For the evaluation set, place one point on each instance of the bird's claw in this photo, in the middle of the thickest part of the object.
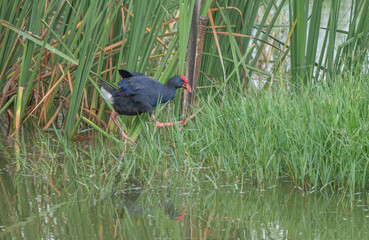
(184, 121)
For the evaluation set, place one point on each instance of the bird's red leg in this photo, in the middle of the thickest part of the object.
(182, 123)
(125, 137)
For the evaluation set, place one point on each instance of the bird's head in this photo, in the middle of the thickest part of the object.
(180, 82)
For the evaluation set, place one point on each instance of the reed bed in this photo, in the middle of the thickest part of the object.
(52, 54)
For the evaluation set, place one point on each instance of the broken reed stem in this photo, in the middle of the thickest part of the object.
(200, 44)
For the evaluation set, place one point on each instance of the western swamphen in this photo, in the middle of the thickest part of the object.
(139, 93)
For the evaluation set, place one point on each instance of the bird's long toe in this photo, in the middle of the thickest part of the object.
(182, 122)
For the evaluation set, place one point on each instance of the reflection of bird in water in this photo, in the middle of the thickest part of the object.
(135, 206)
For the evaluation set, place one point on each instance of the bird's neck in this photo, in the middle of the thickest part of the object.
(167, 93)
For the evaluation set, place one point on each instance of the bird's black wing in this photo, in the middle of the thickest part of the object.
(140, 85)
(129, 86)
(133, 82)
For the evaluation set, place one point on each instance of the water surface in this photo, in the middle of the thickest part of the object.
(60, 206)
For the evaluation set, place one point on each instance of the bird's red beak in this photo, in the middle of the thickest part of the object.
(186, 86)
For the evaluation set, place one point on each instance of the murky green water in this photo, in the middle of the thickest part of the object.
(56, 207)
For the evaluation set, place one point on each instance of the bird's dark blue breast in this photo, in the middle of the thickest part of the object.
(162, 98)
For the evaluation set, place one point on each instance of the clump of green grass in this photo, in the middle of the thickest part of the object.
(316, 136)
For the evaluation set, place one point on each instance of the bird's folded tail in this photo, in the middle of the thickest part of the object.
(125, 74)
(106, 92)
